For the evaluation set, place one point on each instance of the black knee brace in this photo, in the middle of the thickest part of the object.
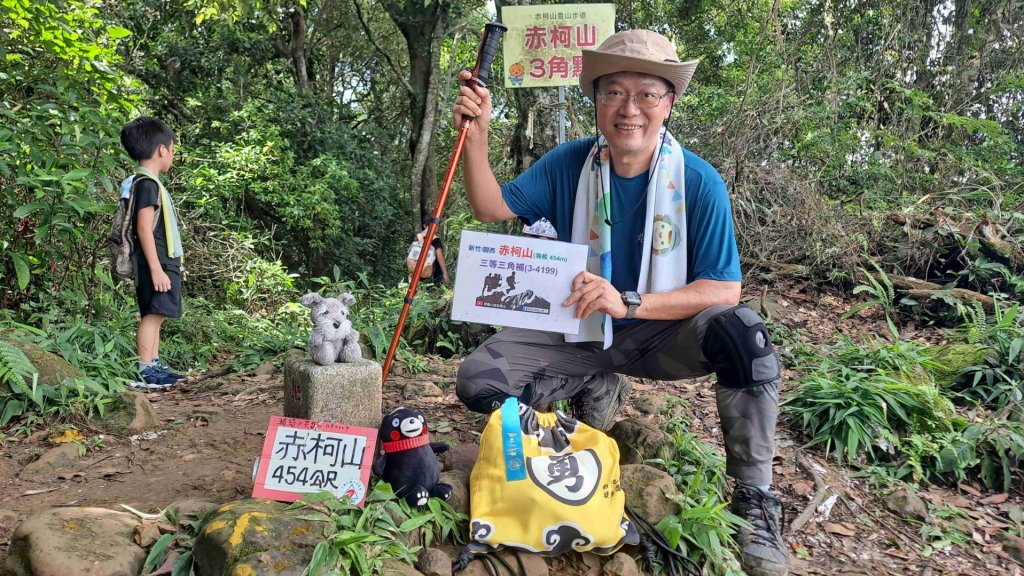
(736, 344)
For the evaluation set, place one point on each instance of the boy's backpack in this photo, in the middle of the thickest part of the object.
(415, 248)
(121, 241)
(548, 484)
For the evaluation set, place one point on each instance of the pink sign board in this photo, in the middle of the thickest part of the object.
(302, 456)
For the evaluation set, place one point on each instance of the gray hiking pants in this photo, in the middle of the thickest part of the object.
(540, 367)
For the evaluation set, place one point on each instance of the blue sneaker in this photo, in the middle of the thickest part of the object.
(167, 370)
(154, 378)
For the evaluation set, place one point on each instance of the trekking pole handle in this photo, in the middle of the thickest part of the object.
(488, 50)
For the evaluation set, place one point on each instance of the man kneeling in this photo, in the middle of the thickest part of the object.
(662, 285)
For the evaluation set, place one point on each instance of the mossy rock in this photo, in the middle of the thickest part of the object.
(52, 368)
(647, 491)
(128, 412)
(257, 537)
(954, 358)
(640, 441)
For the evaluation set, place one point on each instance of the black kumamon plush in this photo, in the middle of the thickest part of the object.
(408, 462)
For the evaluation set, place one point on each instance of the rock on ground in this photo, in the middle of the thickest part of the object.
(192, 509)
(8, 519)
(434, 562)
(42, 470)
(1013, 545)
(418, 389)
(75, 542)
(534, 565)
(52, 368)
(621, 565)
(256, 537)
(459, 481)
(907, 504)
(639, 441)
(145, 417)
(646, 488)
(399, 568)
(265, 369)
(462, 457)
(650, 404)
(129, 412)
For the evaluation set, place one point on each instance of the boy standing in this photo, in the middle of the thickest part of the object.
(157, 248)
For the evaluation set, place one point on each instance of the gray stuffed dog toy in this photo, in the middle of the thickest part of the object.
(333, 339)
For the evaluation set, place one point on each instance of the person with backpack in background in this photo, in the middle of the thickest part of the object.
(156, 244)
(435, 273)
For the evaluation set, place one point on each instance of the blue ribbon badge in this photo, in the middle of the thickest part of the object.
(512, 441)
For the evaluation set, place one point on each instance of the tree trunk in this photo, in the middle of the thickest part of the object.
(422, 24)
(424, 178)
(536, 130)
(293, 47)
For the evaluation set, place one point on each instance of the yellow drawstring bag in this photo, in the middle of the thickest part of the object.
(546, 483)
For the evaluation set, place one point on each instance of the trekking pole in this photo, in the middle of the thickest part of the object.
(481, 75)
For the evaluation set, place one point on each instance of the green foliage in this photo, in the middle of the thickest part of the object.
(15, 367)
(327, 196)
(998, 382)
(103, 348)
(16, 374)
(940, 534)
(867, 405)
(263, 287)
(208, 331)
(999, 445)
(951, 248)
(792, 345)
(882, 294)
(908, 360)
(940, 458)
(62, 105)
(359, 540)
(988, 451)
(23, 397)
(182, 541)
(704, 527)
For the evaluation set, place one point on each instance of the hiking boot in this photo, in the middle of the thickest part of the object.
(598, 405)
(762, 550)
(154, 378)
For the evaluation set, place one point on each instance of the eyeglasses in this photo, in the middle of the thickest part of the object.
(643, 99)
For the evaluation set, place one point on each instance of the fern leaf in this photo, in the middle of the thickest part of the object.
(15, 367)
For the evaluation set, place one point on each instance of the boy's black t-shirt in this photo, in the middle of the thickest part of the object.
(437, 244)
(147, 193)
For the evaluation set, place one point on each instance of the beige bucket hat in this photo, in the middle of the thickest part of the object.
(641, 51)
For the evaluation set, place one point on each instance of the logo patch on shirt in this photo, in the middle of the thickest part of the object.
(666, 235)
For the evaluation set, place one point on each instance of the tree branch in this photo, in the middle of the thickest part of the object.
(366, 28)
(819, 494)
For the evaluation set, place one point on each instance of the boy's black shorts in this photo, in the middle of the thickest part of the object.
(153, 302)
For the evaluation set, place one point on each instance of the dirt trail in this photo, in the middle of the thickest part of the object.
(213, 430)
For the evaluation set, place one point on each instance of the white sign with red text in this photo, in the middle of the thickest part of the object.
(300, 457)
(517, 281)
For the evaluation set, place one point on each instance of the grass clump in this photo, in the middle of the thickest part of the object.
(849, 411)
(360, 540)
(704, 527)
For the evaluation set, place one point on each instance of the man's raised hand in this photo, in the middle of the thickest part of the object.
(473, 102)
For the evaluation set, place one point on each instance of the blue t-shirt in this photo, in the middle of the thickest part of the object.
(548, 190)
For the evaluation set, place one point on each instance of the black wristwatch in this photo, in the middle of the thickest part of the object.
(632, 302)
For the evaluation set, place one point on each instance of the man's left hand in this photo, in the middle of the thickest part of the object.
(592, 293)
